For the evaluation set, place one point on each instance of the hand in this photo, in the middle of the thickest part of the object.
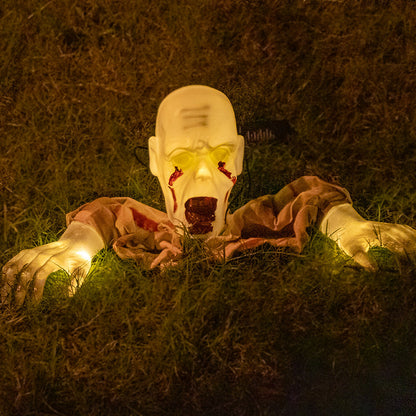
(27, 272)
(355, 235)
(358, 237)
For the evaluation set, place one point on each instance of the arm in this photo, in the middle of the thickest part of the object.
(355, 235)
(30, 268)
(91, 227)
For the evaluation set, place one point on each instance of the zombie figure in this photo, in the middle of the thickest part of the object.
(197, 155)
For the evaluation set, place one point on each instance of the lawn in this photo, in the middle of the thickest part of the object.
(269, 332)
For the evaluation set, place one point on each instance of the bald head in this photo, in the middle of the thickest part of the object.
(196, 155)
(195, 112)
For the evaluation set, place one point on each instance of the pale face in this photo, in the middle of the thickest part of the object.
(196, 156)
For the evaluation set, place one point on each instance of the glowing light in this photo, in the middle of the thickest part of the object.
(84, 255)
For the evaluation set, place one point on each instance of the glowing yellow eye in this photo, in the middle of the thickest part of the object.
(220, 153)
(182, 159)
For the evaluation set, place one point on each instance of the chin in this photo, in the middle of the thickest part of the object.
(215, 231)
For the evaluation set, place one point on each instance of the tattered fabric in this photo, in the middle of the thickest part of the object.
(146, 235)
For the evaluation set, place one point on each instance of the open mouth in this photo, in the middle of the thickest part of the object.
(200, 214)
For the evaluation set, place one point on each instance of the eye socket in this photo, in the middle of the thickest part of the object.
(182, 159)
(221, 153)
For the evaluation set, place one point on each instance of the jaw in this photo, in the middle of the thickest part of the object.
(199, 212)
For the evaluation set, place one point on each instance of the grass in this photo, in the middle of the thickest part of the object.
(269, 332)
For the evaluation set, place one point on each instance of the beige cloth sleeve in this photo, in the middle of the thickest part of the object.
(133, 229)
(282, 219)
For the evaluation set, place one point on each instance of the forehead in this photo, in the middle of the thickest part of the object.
(192, 118)
(197, 127)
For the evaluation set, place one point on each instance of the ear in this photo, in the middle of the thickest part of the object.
(153, 155)
(239, 155)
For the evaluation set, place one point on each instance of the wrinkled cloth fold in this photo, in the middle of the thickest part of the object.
(140, 232)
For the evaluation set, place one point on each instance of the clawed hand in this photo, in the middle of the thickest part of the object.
(26, 273)
(357, 238)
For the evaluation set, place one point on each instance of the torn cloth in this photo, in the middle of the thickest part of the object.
(140, 232)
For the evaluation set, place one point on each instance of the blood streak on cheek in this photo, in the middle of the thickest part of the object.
(175, 203)
(175, 175)
(227, 173)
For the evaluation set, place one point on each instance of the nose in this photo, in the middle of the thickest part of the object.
(203, 172)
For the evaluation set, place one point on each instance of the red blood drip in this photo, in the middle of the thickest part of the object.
(175, 204)
(226, 172)
(143, 222)
(175, 175)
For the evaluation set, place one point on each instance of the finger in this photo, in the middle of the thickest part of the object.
(41, 277)
(156, 262)
(15, 260)
(22, 258)
(399, 239)
(38, 286)
(353, 245)
(10, 275)
(165, 256)
(11, 271)
(409, 241)
(21, 288)
(27, 276)
(400, 230)
(39, 268)
(29, 255)
(12, 282)
(364, 260)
